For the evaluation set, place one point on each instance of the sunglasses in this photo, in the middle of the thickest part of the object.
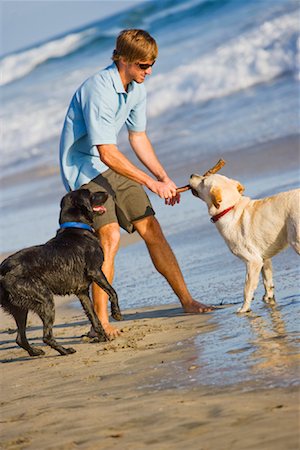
(145, 66)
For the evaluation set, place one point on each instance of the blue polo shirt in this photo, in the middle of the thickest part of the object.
(97, 112)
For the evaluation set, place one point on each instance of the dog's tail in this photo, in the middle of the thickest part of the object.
(3, 293)
(2, 290)
(5, 267)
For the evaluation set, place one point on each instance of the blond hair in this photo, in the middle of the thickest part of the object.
(135, 45)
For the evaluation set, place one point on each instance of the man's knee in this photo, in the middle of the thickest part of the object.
(149, 229)
(109, 236)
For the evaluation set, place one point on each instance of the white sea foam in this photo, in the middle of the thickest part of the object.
(255, 57)
(20, 64)
(29, 131)
(34, 117)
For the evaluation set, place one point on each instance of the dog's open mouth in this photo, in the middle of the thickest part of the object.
(99, 209)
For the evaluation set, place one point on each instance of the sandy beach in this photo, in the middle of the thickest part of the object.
(143, 390)
(225, 85)
(170, 381)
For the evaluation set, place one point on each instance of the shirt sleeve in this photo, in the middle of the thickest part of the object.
(136, 120)
(99, 116)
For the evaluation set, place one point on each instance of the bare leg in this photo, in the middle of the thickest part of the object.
(166, 264)
(268, 282)
(252, 277)
(109, 236)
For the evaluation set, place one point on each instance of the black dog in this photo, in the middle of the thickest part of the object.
(67, 264)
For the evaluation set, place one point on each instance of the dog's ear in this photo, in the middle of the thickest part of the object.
(64, 201)
(216, 196)
(240, 188)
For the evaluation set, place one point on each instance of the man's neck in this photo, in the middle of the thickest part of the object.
(124, 78)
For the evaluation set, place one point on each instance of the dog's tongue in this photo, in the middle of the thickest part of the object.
(99, 209)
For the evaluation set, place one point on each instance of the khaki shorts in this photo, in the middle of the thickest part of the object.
(127, 201)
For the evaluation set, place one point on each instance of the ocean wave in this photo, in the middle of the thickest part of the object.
(33, 111)
(171, 9)
(31, 126)
(258, 56)
(18, 65)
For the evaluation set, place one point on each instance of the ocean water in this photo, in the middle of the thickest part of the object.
(226, 84)
(227, 79)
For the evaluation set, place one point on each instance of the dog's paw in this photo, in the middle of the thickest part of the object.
(66, 351)
(95, 336)
(117, 316)
(36, 352)
(116, 313)
(98, 338)
(269, 300)
(242, 310)
(70, 350)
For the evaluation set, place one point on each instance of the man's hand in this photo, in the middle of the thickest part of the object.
(173, 200)
(165, 189)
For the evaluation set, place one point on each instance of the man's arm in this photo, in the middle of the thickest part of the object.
(143, 149)
(113, 158)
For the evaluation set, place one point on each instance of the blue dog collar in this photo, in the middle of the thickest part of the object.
(84, 226)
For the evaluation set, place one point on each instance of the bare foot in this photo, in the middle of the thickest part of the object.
(111, 332)
(197, 308)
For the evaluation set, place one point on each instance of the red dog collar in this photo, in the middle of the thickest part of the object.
(215, 219)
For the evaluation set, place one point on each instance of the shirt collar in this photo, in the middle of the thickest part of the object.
(116, 79)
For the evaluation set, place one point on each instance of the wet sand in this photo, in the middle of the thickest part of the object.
(143, 390)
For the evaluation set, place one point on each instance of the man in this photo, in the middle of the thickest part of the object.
(90, 158)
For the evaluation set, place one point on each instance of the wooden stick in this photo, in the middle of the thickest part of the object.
(183, 189)
(221, 163)
(216, 168)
